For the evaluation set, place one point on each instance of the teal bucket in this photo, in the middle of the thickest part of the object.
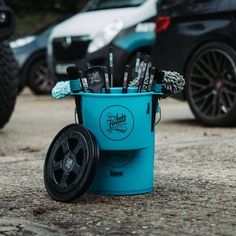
(123, 125)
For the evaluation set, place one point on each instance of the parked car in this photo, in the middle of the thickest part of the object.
(30, 53)
(197, 39)
(128, 26)
(8, 65)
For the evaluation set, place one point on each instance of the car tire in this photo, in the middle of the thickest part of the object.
(38, 77)
(8, 82)
(211, 84)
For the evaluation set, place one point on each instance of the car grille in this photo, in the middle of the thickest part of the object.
(70, 48)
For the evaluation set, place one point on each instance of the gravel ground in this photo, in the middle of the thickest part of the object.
(195, 180)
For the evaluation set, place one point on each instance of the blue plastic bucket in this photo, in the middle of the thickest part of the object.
(122, 125)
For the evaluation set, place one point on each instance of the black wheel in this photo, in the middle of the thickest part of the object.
(38, 78)
(70, 164)
(8, 83)
(211, 84)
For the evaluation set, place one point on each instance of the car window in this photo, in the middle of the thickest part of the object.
(110, 4)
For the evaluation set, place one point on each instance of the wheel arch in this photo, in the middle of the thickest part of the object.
(30, 61)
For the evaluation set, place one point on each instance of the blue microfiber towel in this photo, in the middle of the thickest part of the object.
(61, 89)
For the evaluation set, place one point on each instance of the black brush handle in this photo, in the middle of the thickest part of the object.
(137, 65)
(111, 65)
(73, 72)
(143, 73)
(88, 65)
(83, 81)
(125, 80)
(159, 76)
(150, 82)
(107, 86)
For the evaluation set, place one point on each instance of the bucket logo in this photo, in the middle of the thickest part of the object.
(116, 122)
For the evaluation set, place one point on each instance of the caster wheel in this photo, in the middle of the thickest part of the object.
(71, 163)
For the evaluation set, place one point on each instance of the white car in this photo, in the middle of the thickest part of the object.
(127, 25)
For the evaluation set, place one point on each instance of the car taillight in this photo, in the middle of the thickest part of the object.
(162, 23)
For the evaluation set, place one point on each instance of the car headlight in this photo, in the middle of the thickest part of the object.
(106, 35)
(145, 27)
(22, 42)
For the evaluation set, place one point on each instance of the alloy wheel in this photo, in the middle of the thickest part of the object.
(212, 83)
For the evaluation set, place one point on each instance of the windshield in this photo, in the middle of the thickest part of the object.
(110, 4)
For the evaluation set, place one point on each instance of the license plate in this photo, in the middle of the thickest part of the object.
(61, 68)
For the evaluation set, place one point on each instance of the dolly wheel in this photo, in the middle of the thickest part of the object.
(70, 163)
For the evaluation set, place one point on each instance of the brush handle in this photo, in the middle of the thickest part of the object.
(137, 65)
(125, 80)
(73, 72)
(150, 82)
(88, 65)
(83, 81)
(111, 66)
(107, 86)
(143, 73)
(85, 84)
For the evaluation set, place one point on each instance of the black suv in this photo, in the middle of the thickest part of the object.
(198, 39)
(8, 66)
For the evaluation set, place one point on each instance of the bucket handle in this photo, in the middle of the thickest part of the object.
(159, 119)
(78, 109)
(154, 110)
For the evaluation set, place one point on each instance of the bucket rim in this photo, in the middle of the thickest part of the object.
(117, 92)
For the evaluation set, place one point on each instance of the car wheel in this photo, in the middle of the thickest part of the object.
(8, 83)
(211, 84)
(38, 77)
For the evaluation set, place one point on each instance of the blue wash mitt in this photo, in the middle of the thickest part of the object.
(61, 89)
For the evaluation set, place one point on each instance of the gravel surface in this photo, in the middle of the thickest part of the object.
(195, 180)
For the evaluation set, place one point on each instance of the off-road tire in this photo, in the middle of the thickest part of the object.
(8, 82)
